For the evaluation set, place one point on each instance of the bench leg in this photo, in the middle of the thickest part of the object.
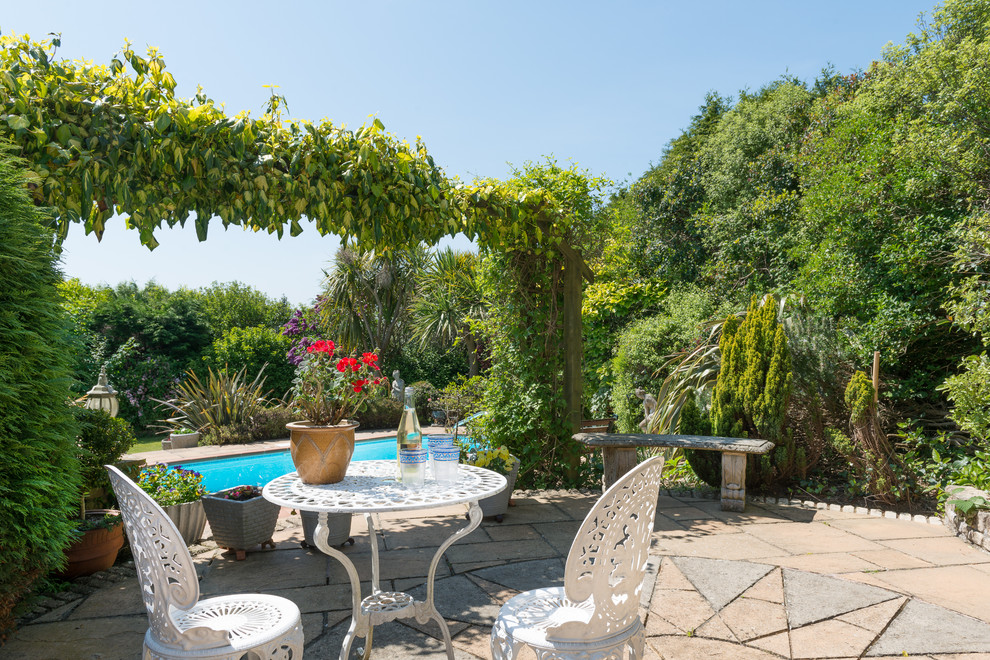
(616, 461)
(733, 481)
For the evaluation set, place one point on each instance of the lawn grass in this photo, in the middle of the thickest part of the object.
(146, 443)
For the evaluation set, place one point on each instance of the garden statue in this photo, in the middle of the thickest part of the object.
(649, 406)
(398, 386)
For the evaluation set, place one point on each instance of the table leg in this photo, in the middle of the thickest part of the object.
(426, 610)
(358, 625)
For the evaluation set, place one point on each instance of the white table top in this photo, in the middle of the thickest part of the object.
(371, 487)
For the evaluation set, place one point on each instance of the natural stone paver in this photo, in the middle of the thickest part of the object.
(891, 559)
(769, 588)
(921, 628)
(829, 639)
(798, 539)
(941, 551)
(806, 603)
(830, 563)
(700, 648)
(779, 644)
(875, 617)
(720, 581)
(960, 588)
(821, 568)
(749, 618)
(885, 529)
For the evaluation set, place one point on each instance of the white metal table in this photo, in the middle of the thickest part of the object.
(370, 487)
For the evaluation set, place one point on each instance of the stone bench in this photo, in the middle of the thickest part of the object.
(619, 454)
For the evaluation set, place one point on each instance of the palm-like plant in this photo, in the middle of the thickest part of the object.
(225, 399)
(367, 295)
(449, 298)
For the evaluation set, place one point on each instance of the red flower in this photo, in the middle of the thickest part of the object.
(369, 359)
(342, 365)
(321, 346)
(359, 384)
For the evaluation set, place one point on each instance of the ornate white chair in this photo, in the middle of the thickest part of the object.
(251, 626)
(596, 613)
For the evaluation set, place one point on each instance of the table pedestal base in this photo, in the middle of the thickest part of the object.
(382, 606)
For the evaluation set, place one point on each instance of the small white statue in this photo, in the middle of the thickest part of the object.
(398, 387)
(649, 407)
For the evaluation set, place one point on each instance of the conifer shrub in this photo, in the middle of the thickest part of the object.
(751, 396)
(39, 473)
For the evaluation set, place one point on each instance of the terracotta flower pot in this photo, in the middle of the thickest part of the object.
(96, 550)
(321, 454)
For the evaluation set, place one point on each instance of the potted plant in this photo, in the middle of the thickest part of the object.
(240, 518)
(102, 440)
(501, 461)
(184, 438)
(178, 492)
(328, 388)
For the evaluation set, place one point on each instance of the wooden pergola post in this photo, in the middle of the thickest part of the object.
(574, 270)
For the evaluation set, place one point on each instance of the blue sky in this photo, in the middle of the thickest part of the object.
(485, 84)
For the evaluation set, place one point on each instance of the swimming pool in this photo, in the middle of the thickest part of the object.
(259, 469)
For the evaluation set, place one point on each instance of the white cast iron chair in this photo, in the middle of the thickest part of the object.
(596, 613)
(251, 626)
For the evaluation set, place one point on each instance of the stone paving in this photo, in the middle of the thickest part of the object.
(772, 582)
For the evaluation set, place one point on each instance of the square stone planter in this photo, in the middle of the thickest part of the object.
(190, 518)
(239, 525)
(498, 504)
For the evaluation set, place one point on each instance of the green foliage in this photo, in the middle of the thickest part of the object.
(606, 308)
(425, 393)
(235, 305)
(225, 399)
(429, 363)
(644, 348)
(859, 396)
(459, 399)
(39, 473)
(102, 441)
(171, 485)
(367, 295)
(753, 389)
(969, 392)
(251, 349)
(524, 388)
(264, 424)
(381, 413)
(448, 298)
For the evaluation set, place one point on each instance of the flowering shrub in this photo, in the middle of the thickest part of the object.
(241, 493)
(498, 460)
(328, 388)
(171, 485)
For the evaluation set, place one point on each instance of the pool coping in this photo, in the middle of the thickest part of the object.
(169, 456)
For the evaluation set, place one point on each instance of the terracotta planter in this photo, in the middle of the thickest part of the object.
(190, 518)
(240, 524)
(498, 504)
(96, 550)
(321, 454)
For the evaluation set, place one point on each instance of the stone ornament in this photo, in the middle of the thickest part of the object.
(182, 625)
(595, 615)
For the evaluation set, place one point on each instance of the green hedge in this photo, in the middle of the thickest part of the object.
(39, 473)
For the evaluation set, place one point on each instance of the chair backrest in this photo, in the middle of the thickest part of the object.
(164, 567)
(608, 557)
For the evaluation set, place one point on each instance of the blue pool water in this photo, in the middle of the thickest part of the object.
(259, 469)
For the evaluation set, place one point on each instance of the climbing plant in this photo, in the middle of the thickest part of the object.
(107, 139)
